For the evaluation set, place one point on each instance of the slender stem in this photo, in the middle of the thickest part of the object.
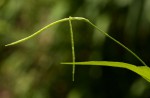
(135, 55)
(44, 28)
(81, 19)
(73, 50)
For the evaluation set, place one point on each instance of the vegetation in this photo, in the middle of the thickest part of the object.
(35, 68)
(144, 71)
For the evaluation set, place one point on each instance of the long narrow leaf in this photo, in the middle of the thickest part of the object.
(143, 71)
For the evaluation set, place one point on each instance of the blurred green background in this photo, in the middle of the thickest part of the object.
(32, 69)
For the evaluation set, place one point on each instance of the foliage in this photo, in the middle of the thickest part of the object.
(32, 69)
(144, 71)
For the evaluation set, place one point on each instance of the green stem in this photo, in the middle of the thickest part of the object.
(44, 28)
(72, 46)
(135, 55)
(72, 40)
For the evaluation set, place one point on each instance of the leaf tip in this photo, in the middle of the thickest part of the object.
(7, 45)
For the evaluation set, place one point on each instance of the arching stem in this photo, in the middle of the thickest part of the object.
(72, 39)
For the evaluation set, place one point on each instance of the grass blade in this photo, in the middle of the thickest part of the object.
(143, 71)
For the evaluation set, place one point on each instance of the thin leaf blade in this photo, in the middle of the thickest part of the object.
(143, 71)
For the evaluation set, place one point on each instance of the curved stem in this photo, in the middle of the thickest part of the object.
(44, 28)
(135, 55)
(81, 19)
